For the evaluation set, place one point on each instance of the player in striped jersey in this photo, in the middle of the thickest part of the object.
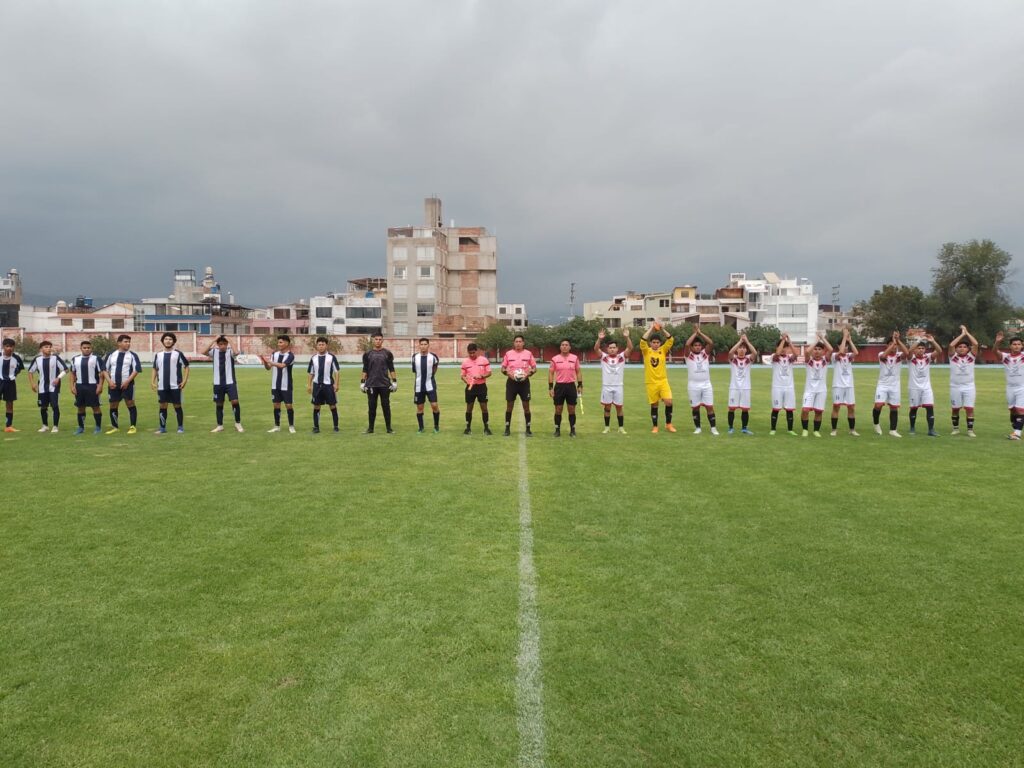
(86, 371)
(655, 354)
(842, 383)
(424, 371)
(816, 385)
(613, 368)
(10, 366)
(324, 380)
(962, 357)
(224, 385)
(698, 378)
(50, 369)
(121, 369)
(170, 375)
(742, 358)
(783, 388)
(281, 389)
(920, 386)
(1013, 365)
(887, 392)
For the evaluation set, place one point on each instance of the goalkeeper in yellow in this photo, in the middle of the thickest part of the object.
(655, 352)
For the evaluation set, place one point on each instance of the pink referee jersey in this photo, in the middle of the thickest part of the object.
(513, 360)
(475, 369)
(566, 368)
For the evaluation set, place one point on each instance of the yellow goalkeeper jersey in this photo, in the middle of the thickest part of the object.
(654, 361)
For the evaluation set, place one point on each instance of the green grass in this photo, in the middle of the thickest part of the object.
(308, 600)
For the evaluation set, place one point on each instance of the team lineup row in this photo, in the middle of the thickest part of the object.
(89, 374)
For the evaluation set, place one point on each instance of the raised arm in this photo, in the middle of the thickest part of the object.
(899, 343)
(629, 342)
(828, 347)
(849, 341)
(995, 345)
(597, 343)
(936, 348)
(734, 347)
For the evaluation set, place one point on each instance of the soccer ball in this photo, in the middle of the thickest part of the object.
(518, 374)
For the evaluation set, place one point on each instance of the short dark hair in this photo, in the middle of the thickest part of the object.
(124, 337)
(10, 343)
(321, 338)
(222, 338)
(1015, 338)
(284, 337)
(471, 347)
(698, 340)
(87, 341)
(565, 341)
(424, 339)
(170, 336)
(656, 337)
(45, 343)
(821, 345)
(519, 336)
(375, 334)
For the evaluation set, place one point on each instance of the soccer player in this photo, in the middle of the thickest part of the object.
(424, 370)
(783, 387)
(655, 353)
(1013, 365)
(280, 364)
(613, 369)
(476, 369)
(323, 382)
(518, 365)
(10, 366)
(742, 357)
(565, 384)
(887, 392)
(121, 368)
(86, 385)
(50, 369)
(816, 385)
(224, 385)
(170, 375)
(920, 385)
(962, 357)
(698, 378)
(379, 380)
(842, 383)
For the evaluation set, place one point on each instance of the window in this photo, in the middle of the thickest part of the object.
(363, 330)
(399, 254)
(519, 310)
(117, 325)
(321, 330)
(281, 314)
(88, 325)
(425, 291)
(324, 312)
(65, 321)
(400, 308)
(400, 291)
(663, 302)
(502, 310)
(424, 329)
(400, 271)
(424, 253)
(339, 321)
(401, 329)
(424, 310)
(427, 271)
(362, 312)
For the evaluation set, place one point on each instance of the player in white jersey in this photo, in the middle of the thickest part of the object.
(1013, 365)
(280, 365)
(962, 357)
(86, 372)
(816, 385)
(887, 392)
(783, 388)
(122, 368)
(613, 370)
(842, 382)
(742, 358)
(920, 386)
(170, 377)
(424, 366)
(698, 378)
(224, 385)
(49, 369)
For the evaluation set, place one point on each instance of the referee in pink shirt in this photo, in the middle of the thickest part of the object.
(476, 369)
(565, 384)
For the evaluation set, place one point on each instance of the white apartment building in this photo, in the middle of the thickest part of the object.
(513, 316)
(112, 318)
(790, 304)
(359, 311)
(630, 309)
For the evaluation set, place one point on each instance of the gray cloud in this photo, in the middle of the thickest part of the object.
(618, 145)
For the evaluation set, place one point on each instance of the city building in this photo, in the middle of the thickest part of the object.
(513, 316)
(790, 304)
(358, 311)
(78, 317)
(288, 319)
(442, 280)
(10, 299)
(630, 309)
(194, 306)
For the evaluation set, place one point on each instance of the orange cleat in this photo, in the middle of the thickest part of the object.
(654, 430)
(670, 428)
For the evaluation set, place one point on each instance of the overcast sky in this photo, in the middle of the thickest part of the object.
(617, 145)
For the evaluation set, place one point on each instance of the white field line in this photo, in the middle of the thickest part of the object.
(529, 676)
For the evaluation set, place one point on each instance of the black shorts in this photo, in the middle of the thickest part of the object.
(116, 394)
(171, 396)
(87, 397)
(281, 396)
(477, 392)
(49, 399)
(514, 389)
(421, 397)
(222, 391)
(565, 393)
(324, 394)
(8, 390)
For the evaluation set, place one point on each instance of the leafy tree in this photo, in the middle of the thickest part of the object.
(538, 336)
(891, 308)
(103, 345)
(27, 348)
(724, 336)
(494, 338)
(765, 338)
(834, 337)
(969, 288)
(581, 333)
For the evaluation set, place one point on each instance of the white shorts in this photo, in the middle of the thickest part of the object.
(814, 400)
(739, 398)
(890, 395)
(842, 396)
(783, 398)
(919, 397)
(1015, 398)
(611, 395)
(701, 394)
(962, 397)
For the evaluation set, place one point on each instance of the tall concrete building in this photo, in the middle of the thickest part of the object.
(10, 299)
(441, 280)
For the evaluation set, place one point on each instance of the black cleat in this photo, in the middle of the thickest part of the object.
(316, 430)
(572, 433)
(487, 431)
(558, 431)
(391, 431)
(367, 431)
(467, 431)
(507, 432)
(528, 432)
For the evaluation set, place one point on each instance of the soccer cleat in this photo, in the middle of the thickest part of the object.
(291, 430)
(113, 431)
(97, 430)
(218, 428)
(794, 434)
(932, 433)
(507, 432)
(390, 431)
(771, 432)
(894, 433)
(437, 431)
(606, 430)
(970, 432)
(912, 431)
(670, 428)
(572, 432)
(79, 431)
(622, 431)
(487, 430)
(316, 431)
(558, 432)
(131, 430)
(11, 429)
(467, 431)
(698, 431)
(1013, 436)
(419, 431)
(817, 433)
(854, 433)
(955, 431)
(57, 430)
(238, 427)
(161, 431)
(367, 431)
(338, 430)
(181, 430)
(714, 431)
(43, 428)
(833, 433)
(273, 429)
(731, 431)
(529, 433)
(745, 431)
(878, 429)
(654, 430)
(804, 433)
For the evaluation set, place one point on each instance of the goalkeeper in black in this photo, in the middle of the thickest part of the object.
(378, 381)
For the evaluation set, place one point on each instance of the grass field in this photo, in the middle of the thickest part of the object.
(348, 600)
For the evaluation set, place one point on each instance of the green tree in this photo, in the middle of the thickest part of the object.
(724, 336)
(891, 308)
(765, 338)
(969, 288)
(27, 348)
(537, 337)
(834, 337)
(581, 333)
(495, 338)
(103, 345)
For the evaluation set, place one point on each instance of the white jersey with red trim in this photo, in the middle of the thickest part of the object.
(1013, 365)
(698, 368)
(817, 375)
(739, 376)
(921, 371)
(782, 371)
(842, 370)
(889, 369)
(961, 370)
(612, 369)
